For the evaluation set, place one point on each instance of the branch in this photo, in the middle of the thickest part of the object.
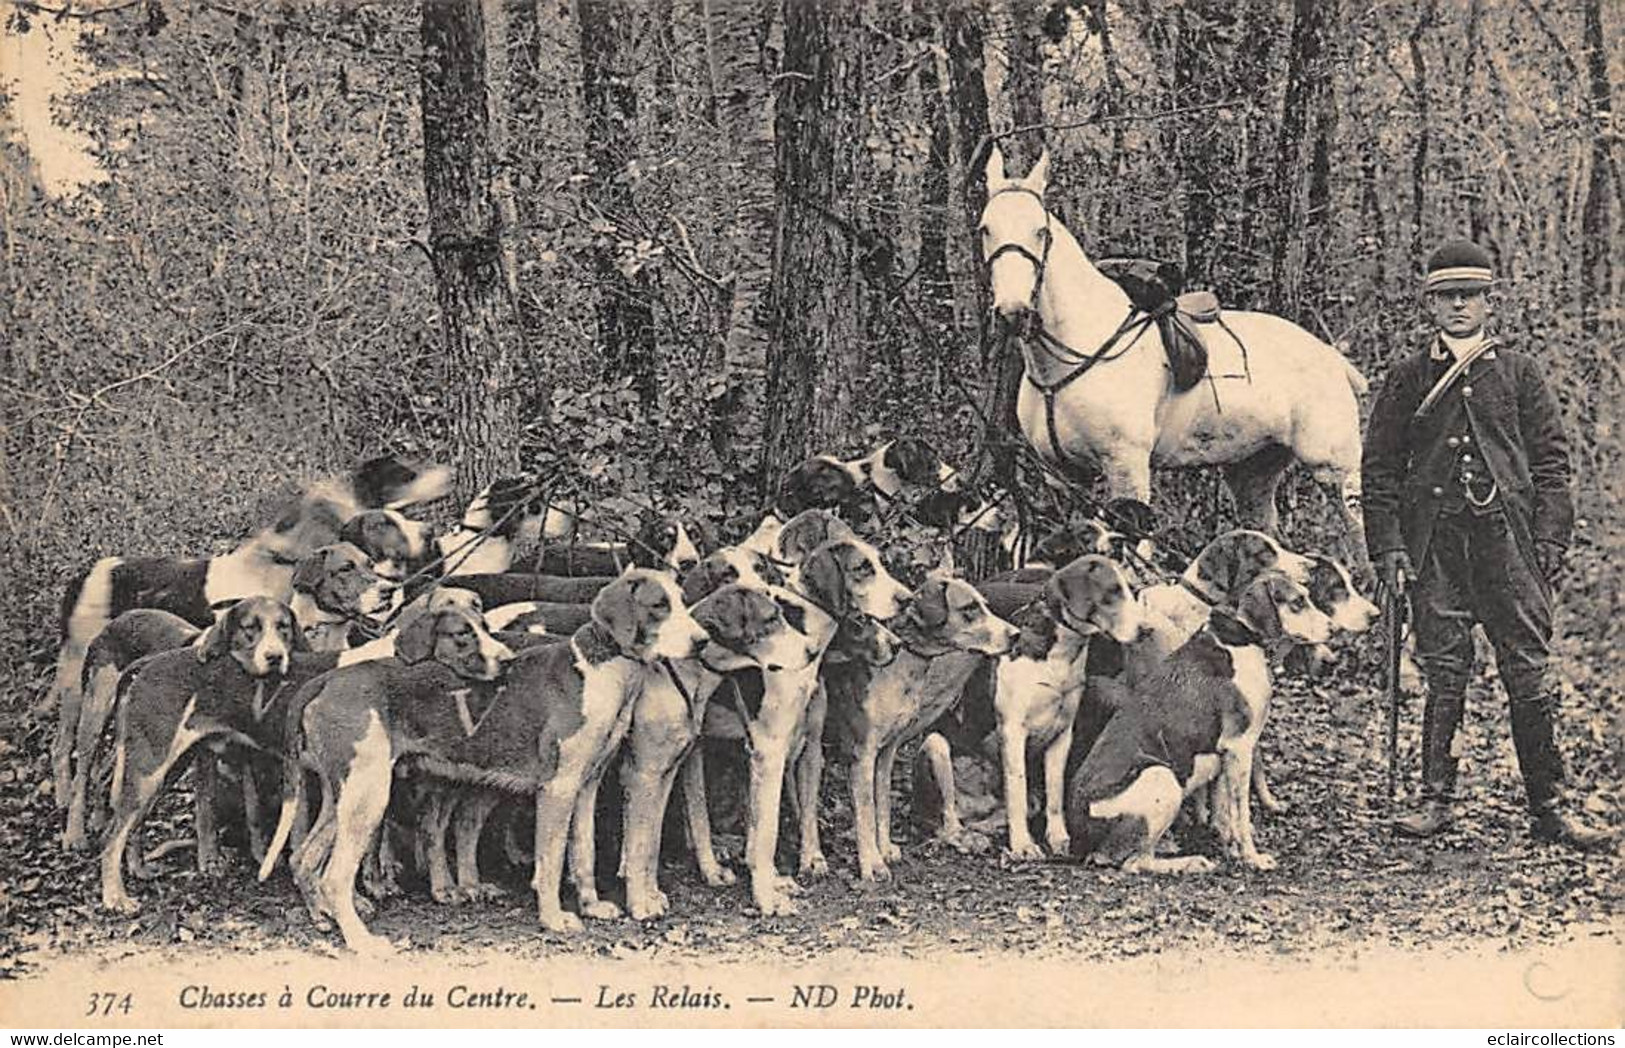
(70, 12)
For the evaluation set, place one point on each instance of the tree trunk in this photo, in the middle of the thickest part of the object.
(609, 95)
(465, 240)
(1307, 72)
(814, 359)
(936, 214)
(1419, 157)
(736, 38)
(1597, 221)
(967, 91)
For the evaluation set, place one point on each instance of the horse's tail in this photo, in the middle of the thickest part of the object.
(1357, 382)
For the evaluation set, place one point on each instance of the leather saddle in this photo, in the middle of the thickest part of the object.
(1158, 289)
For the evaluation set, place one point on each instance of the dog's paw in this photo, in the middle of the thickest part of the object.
(648, 906)
(877, 872)
(481, 892)
(815, 865)
(120, 903)
(1025, 851)
(774, 904)
(446, 896)
(365, 907)
(891, 852)
(787, 885)
(719, 877)
(366, 944)
(1060, 846)
(601, 910)
(561, 922)
(1260, 861)
(1195, 864)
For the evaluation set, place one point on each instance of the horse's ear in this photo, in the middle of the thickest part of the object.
(1038, 178)
(995, 171)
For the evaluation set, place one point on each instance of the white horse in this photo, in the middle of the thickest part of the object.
(1097, 388)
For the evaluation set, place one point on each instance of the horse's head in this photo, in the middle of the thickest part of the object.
(1015, 231)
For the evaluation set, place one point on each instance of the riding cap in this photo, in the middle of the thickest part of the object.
(1459, 265)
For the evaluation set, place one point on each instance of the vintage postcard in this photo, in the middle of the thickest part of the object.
(811, 513)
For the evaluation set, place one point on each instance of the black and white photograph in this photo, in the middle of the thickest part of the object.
(812, 513)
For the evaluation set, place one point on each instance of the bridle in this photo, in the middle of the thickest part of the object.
(1040, 263)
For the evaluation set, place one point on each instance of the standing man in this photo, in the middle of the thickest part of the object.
(1467, 507)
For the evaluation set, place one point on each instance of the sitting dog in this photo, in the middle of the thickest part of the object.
(1039, 687)
(1194, 719)
(1220, 572)
(194, 588)
(548, 731)
(944, 633)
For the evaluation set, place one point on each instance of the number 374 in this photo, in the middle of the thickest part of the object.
(108, 1003)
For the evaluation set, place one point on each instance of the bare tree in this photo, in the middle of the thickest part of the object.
(465, 240)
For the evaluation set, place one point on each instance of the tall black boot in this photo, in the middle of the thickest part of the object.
(1542, 768)
(1440, 719)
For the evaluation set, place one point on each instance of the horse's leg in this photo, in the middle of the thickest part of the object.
(1342, 488)
(1253, 481)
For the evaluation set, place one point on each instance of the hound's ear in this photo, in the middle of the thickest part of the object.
(1257, 608)
(300, 642)
(216, 640)
(824, 580)
(416, 641)
(309, 573)
(615, 611)
(1037, 179)
(930, 606)
(795, 616)
(996, 179)
(699, 582)
(724, 615)
(1219, 568)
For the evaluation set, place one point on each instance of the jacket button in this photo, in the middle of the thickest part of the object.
(1467, 476)
(1437, 491)
(1467, 458)
(1467, 391)
(1466, 438)
(1453, 441)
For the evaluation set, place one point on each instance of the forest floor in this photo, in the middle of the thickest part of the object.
(1344, 879)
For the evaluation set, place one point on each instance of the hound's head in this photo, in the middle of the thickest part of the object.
(339, 580)
(260, 633)
(728, 565)
(1080, 536)
(512, 507)
(1332, 590)
(456, 638)
(392, 482)
(1016, 236)
(1278, 608)
(805, 532)
(1227, 565)
(1091, 595)
(663, 543)
(862, 639)
(392, 542)
(454, 597)
(846, 576)
(949, 615)
(821, 482)
(643, 614)
(907, 461)
(750, 628)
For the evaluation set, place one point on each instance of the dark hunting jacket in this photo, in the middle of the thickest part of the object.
(1499, 423)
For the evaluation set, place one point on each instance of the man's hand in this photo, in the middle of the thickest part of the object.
(1394, 571)
(1550, 558)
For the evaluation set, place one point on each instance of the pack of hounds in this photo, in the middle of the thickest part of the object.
(354, 694)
